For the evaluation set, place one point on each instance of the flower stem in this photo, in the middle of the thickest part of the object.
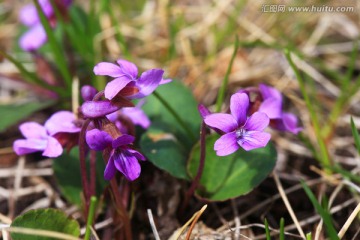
(176, 116)
(92, 173)
(90, 218)
(82, 158)
(222, 89)
(119, 204)
(200, 170)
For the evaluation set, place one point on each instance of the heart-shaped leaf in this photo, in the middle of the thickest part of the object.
(183, 102)
(45, 219)
(164, 150)
(233, 175)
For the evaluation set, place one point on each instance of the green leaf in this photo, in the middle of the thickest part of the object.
(183, 102)
(324, 213)
(45, 219)
(164, 150)
(67, 173)
(233, 175)
(355, 135)
(267, 230)
(31, 77)
(13, 113)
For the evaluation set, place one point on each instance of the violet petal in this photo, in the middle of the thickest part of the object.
(127, 164)
(62, 121)
(123, 140)
(98, 140)
(165, 81)
(224, 122)
(257, 122)
(110, 170)
(128, 68)
(226, 144)
(28, 15)
(108, 69)
(204, 111)
(254, 139)
(137, 116)
(33, 39)
(269, 92)
(148, 82)
(53, 148)
(33, 130)
(95, 109)
(25, 146)
(115, 86)
(272, 107)
(288, 122)
(138, 155)
(239, 104)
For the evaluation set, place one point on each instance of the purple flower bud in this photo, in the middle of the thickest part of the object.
(88, 92)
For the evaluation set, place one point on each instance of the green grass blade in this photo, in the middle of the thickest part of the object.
(222, 89)
(91, 217)
(267, 230)
(308, 236)
(326, 217)
(32, 77)
(324, 159)
(282, 229)
(350, 67)
(345, 173)
(355, 133)
(56, 48)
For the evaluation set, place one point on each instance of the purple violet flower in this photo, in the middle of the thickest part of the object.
(272, 106)
(126, 73)
(37, 139)
(62, 122)
(240, 131)
(121, 156)
(35, 37)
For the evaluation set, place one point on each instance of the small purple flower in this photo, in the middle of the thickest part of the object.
(240, 131)
(35, 37)
(62, 122)
(126, 73)
(121, 156)
(272, 106)
(37, 139)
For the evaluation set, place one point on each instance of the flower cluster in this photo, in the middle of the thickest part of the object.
(244, 126)
(35, 37)
(107, 118)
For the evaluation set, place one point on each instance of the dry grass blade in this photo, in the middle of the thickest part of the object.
(349, 221)
(287, 204)
(152, 224)
(194, 218)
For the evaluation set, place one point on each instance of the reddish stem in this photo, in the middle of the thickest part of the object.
(200, 170)
(82, 156)
(119, 204)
